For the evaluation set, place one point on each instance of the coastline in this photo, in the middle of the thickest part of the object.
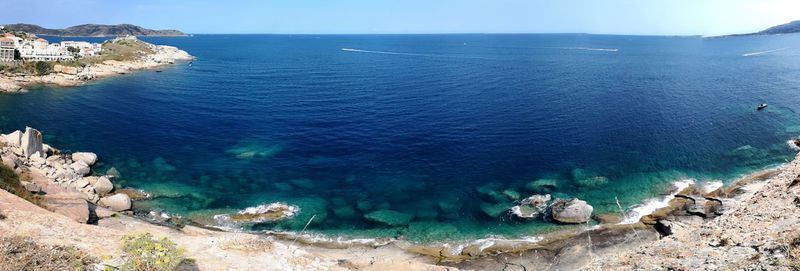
(675, 215)
(70, 76)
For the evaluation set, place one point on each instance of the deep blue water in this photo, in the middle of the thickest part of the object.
(427, 124)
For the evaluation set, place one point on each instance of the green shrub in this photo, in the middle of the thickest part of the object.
(145, 253)
(10, 181)
(43, 68)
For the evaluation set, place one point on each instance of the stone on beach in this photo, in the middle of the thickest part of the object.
(117, 202)
(389, 217)
(87, 157)
(31, 142)
(572, 211)
(265, 213)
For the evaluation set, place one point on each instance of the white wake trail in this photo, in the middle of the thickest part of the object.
(409, 54)
(590, 49)
(764, 52)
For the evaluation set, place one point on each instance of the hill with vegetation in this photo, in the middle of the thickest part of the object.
(94, 30)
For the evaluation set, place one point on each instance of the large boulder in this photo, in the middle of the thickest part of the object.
(103, 186)
(531, 207)
(14, 139)
(389, 217)
(31, 142)
(87, 157)
(572, 211)
(80, 168)
(117, 202)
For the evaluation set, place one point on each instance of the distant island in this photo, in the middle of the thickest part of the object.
(789, 28)
(94, 30)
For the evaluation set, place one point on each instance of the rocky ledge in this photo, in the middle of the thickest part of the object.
(62, 179)
(68, 76)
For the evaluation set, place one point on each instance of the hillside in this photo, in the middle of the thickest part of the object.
(94, 30)
(793, 27)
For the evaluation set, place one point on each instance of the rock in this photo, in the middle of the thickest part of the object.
(262, 213)
(81, 183)
(31, 187)
(9, 162)
(389, 217)
(302, 183)
(87, 157)
(14, 139)
(49, 150)
(346, 212)
(608, 218)
(542, 185)
(31, 142)
(80, 168)
(113, 172)
(118, 202)
(511, 194)
(572, 211)
(494, 210)
(531, 207)
(103, 186)
(592, 181)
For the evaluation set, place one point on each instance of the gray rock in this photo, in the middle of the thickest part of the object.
(14, 139)
(103, 186)
(87, 157)
(81, 183)
(531, 207)
(80, 168)
(117, 202)
(31, 142)
(572, 211)
(31, 187)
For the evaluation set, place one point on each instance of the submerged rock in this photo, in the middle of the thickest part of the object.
(87, 157)
(134, 194)
(572, 211)
(389, 217)
(585, 179)
(542, 185)
(494, 210)
(531, 207)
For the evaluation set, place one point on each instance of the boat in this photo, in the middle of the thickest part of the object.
(158, 71)
(761, 107)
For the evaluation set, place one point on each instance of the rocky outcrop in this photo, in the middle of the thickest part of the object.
(572, 211)
(59, 177)
(31, 143)
(263, 213)
(531, 207)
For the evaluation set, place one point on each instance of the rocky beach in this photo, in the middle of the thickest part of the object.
(67, 75)
(750, 224)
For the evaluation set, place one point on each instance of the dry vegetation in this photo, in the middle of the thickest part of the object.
(19, 254)
(10, 182)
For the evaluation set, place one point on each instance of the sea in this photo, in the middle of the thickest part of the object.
(427, 138)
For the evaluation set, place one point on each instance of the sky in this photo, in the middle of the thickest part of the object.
(642, 17)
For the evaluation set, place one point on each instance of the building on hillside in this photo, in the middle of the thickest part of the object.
(86, 48)
(7, 47)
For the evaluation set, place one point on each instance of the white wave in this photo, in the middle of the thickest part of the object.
(262, 213)
(764, 52)
(709, 187)
(651, 205)
(792, 144)
(590, 49)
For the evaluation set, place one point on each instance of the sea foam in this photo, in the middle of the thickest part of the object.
(651, 205)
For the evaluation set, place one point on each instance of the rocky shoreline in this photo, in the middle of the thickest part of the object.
(69, 76)
(748, 224)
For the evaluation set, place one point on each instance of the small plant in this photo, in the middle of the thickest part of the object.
(145, 253)
(10, 182)
(42, 68)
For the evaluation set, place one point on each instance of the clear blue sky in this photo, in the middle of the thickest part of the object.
(649, 17)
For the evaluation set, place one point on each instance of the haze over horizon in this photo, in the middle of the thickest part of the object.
(662, 17)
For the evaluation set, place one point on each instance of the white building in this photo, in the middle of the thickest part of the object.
(7, 49)
(86, 48)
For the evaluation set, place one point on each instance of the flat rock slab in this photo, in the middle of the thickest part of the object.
(69, 203)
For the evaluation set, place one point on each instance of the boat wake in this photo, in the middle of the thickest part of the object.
(764, 52)
(590, 49)
(408, 54)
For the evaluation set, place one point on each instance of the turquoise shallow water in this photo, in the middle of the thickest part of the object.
(440, 127)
